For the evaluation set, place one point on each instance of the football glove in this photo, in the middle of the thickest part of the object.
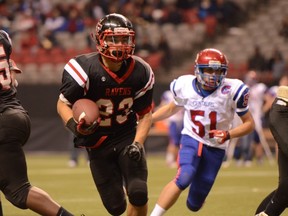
(135, 151)
(220, 135)
(81, 129)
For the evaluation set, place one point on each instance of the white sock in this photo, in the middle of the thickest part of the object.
(158, 211)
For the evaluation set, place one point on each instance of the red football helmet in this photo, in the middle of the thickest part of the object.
(215, 65)
(115, 37)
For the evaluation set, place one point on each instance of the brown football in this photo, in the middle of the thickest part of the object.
(85, 109)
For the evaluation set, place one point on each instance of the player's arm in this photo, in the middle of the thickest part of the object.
(143, 127)
(165, 111)
(246, 127)
(78, 128)
(64, 111)
(136, 150)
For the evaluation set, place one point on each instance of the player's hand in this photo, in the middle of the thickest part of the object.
(220, 135)
(80, 128)
(135, 151)
(84, 129)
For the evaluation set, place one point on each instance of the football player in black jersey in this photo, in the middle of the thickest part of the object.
(122, 85)
(14, 132)
(275, 203)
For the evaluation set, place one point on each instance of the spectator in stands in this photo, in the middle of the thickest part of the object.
(206, 8)
(257, 61)
(145, 48)
(164, 48)
(284, 28)
(74, 22)
(172, 14)
(229, 13)
(276, 64)
(54, 21)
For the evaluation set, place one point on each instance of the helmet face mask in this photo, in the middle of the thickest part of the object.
(211, 68)
(115, 37)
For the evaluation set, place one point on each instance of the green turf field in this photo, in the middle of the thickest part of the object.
(237, 191)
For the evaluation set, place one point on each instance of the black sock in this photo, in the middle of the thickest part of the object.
(63, 212)
(1, 211)
(264, 203)
(274, 208)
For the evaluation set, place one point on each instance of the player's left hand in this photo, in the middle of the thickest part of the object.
(135, 151)
(84, 129)
(220, 135)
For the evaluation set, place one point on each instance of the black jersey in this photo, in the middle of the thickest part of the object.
(7, 88)
(119, 96)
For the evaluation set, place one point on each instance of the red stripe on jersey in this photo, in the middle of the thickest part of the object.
(146, 110)
(99, 142)
(151, 82)
(78, 74)
(200, 148)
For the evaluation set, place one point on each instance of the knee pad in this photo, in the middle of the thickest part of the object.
(137, 193)
(193, 208)
(185, 177)
(19, 197)
(117, 209)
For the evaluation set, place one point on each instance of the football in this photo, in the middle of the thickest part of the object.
(85, 109)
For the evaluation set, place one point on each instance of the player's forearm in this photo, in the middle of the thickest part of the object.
(143, 128)
(165, 112)
(64, 111)
(245, 128)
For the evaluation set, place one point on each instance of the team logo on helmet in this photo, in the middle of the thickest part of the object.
(214, 64)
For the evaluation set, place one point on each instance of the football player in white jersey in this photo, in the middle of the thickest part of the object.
(209, 101)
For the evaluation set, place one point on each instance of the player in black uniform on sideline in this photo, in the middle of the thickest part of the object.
(277, 201)
(14, 133)
(122, 85)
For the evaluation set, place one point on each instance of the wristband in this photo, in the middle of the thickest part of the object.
(72, 126)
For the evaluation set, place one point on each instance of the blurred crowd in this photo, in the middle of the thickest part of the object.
(271, 69)
(35, 24)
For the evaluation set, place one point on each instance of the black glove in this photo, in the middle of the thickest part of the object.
(135, 151)
(81, 129)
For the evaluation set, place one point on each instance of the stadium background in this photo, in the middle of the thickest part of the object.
(169, 33)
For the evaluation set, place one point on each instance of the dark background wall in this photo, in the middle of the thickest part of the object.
(48, 132)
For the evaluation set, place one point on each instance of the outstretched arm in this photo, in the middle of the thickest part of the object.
(246, 127)
(165, 112)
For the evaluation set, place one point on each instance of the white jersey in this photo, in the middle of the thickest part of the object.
(215, 111)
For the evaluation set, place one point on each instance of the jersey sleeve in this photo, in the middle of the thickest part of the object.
(176, 87)
(75, 82)
(143, 101)
(241, 98)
